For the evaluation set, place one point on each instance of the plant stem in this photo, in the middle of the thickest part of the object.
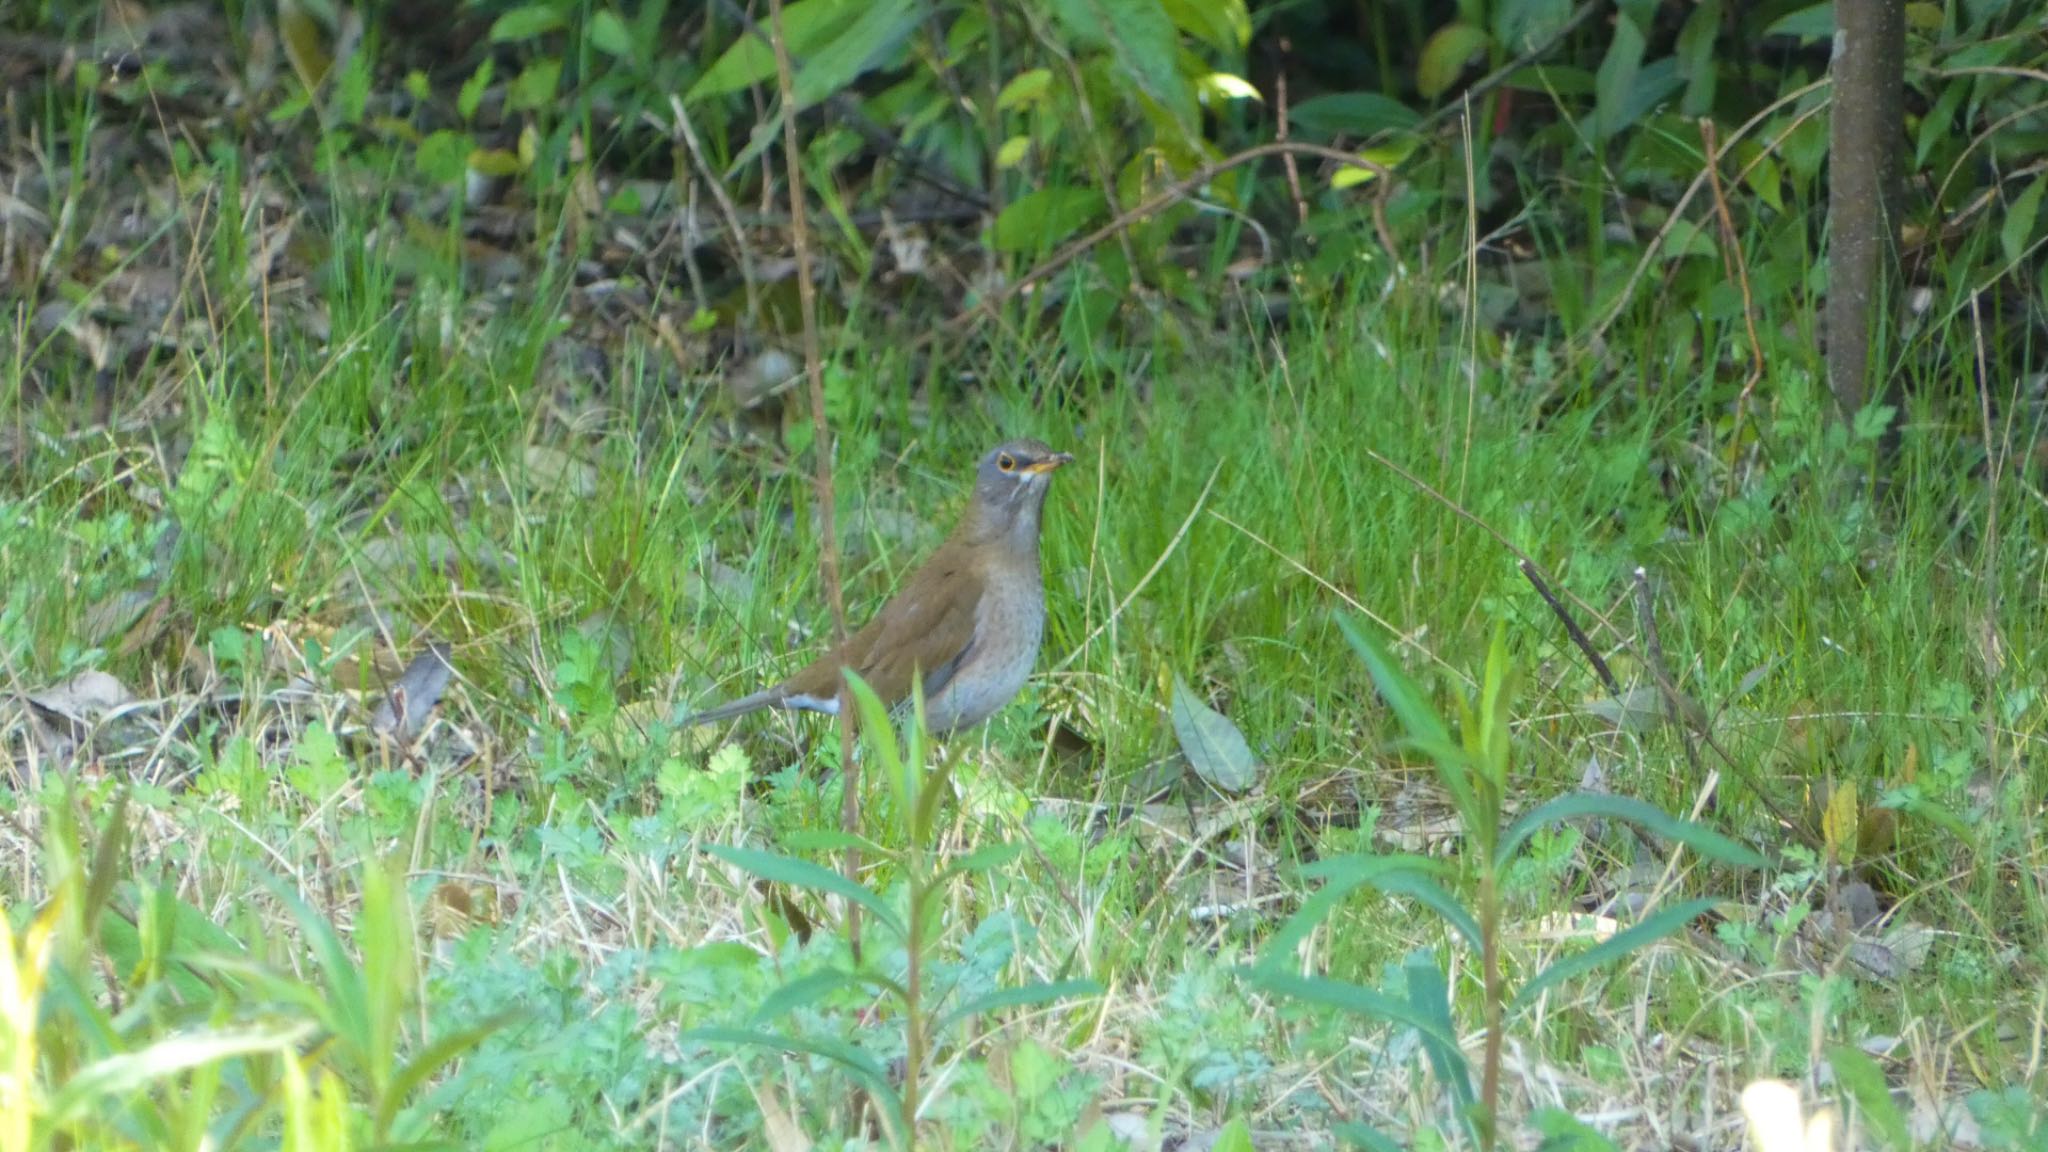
(1489, 939)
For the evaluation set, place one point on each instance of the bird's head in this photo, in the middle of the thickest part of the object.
(1010, 484)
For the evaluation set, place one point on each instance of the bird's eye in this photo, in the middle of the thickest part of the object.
(1006, 462)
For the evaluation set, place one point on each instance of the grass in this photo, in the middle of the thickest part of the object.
(605, 550)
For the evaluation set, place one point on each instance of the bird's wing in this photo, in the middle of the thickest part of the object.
(921, 629)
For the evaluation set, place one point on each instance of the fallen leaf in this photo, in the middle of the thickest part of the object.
(83, 698)
(1215, 749)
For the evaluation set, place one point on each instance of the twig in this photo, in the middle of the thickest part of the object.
(1572, 629)
(1738, 271)
(821, 446)
(1163, 199)
(1280, 134)
(1994, 460)
(727, 209)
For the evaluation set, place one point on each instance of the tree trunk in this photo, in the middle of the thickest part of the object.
(1866, 119)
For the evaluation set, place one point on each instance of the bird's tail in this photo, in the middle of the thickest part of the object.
(766, 698)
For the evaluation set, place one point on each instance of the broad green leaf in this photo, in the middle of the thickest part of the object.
(1444, 56)
(1695, 53)
(809, 25)
(1615, 947)
(1349, 114)
(1761, 174)
(1388, 157)
(1548, 79)
(1939, 122)
(2016, 234)
(1856, 1071)
(1349, 998)
(1815, 22)
(1215, 748)
(1013, 151)
(1043, 218)
(1224, 25)
(1024, 88)
(1651, 818)
(1367, 1137)
(1141, 38)
(804, 874)
(1615, 82)
(608, 34)
(986, 858)
(868, 42)
(525, 23)
(1023, 996)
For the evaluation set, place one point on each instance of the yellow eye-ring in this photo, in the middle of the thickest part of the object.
(1006, 462)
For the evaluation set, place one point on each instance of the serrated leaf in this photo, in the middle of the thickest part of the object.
(1024, 88)
(1043, 218)
(2016, 234)
(525, 23)
(1615, 947)
(1215, 748)
(608, 34)
(1444, 56)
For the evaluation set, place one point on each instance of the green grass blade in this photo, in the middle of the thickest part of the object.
(1651, 818)
(1416, 716)
(862, 1067)
(1635, 936)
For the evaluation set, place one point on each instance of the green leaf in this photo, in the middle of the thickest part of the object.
(1367, 1137)
(526, 23)
(804, 874)
(1695, 53)
(2016, 234)
(861, 1066)
(1560, 79)
(608, 35)
(1023, 996)
(1651, 818)
(1225, 25)
(867, 43)
(1024, 88)
(1416, 716)
(1042, 218)
(1141, 38)
(1349, 114)
(986, 858)
(1445, 55)
(443, 157)
(1434, 897)
(1349, 998)
(1856, 1071)
(1430, 996)
(433, 1061)
(1235, 1136)
(808, 25)
(131, 1072)
(1615, 947)
(1215, 748)
(1615, 82)
(801, 991)
(1816, 22)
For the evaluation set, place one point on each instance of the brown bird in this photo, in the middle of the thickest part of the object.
(969, 620)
